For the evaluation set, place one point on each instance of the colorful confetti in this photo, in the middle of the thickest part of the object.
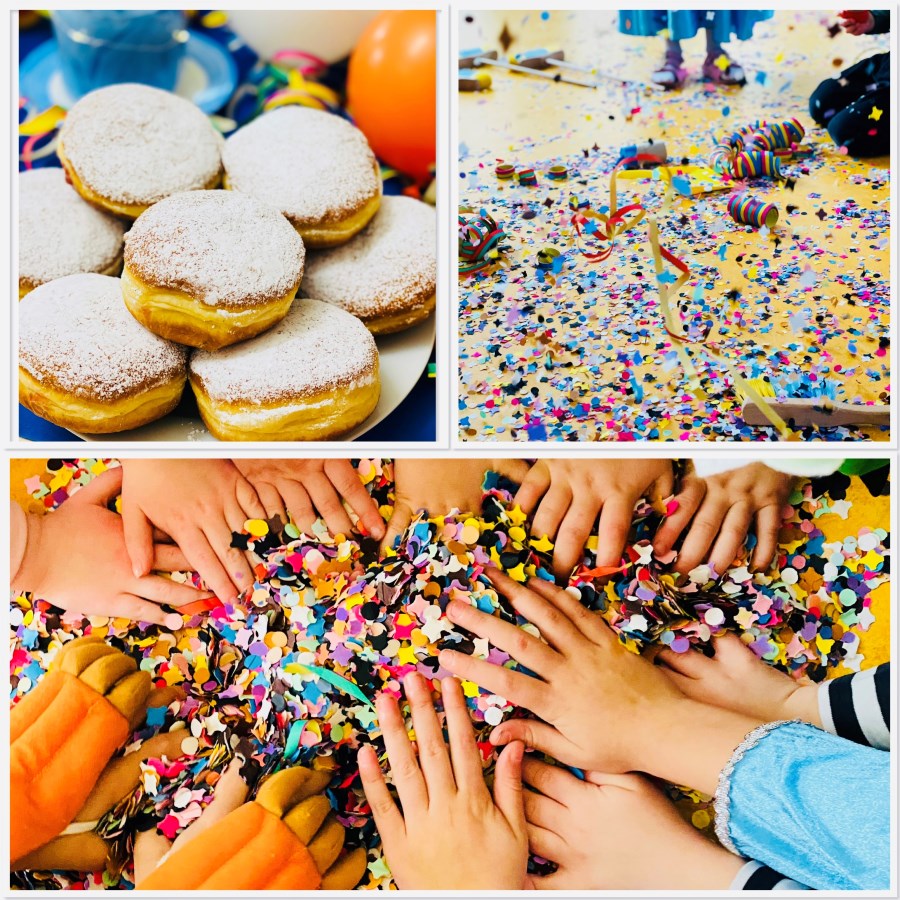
(289, 672)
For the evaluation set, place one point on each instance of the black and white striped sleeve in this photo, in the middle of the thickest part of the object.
(858, 707)
(754, 876)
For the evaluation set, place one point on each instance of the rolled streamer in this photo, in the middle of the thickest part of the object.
(479, 237)
(777, 136)
(527, 177)
(505, 170)
(755, 164)
(721, 160)
(747, 211)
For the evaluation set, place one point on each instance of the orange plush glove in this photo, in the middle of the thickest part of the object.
(62, 735)
(285, 839)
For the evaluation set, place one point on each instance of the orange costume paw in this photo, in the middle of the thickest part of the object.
(63, 734)
(285, 839)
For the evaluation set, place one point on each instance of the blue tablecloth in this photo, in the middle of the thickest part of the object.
(413, 420)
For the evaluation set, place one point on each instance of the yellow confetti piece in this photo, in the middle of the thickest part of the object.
(470, 689)
(700, 819)
(256, 527)
(876, 113)
(43, 122)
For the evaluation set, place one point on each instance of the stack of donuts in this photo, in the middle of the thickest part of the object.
(255, 269)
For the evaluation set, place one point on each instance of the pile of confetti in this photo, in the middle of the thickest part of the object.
(555, 346)
(288, 674)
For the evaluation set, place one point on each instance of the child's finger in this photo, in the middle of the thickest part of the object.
(689, 499)
(522, 690)
(388, 820)
(626, 782)
(344, 477)
(544, 812)
(232, 561)
(164, 590)
(205, 561)
(169, 558)
(573, 535)
(703, 531)
(587, 623)
(691, 664)
(534, 486)
(508, 793)
(553, 781)
(536, 736)
(249, 504)
(405, 770)
(552, 510)
(149, 849)
(768, 521)
(101, 490)
(545, 843)
(555, 881)
(397, 524)
(434, 759)
(615, 523)
(299, 505)
(731, 536)
(516, 470)
(130, 606)
(271, 501)
(467, 770)
(138, 533)
(328, 504)
(524, 648)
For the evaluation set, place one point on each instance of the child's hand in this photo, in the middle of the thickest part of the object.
(569, 494)
(731, 502)
(735, 679)
(439, 485)
(76, 559)
(564, 813)
(856, 21)
(312, 488)
(198, 503)
(597, 700)
(451, 834)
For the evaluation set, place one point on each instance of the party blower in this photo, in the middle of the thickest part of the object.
(542, 59)
(472, 59)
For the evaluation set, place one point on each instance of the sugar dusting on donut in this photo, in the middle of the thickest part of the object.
(222, 248)
(134, 144)
(388, 267)
(59, 233)
(316, 348)
(77, 333)
(312, 165)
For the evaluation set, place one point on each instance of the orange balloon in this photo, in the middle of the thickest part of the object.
(391, 89)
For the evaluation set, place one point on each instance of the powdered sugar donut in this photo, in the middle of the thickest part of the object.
(60, 234)
(85, 364)
(128, 146)
(210, 268)
(314, 376)
(385, 276)
(312, 165)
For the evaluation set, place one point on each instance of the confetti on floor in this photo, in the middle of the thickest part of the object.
(289, 673)
(554, 347)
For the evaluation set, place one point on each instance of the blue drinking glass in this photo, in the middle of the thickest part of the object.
(102, 47)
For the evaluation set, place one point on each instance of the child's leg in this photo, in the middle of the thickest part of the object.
(718, 70)
(835, 94)
(855, 107)
(671, 73)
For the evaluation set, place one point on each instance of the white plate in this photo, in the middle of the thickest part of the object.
(404, 357)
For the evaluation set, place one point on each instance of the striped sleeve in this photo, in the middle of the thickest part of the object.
(858, 707)
(754, 876)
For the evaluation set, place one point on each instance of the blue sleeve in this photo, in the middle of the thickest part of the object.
(882, 19)
(808, 804)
